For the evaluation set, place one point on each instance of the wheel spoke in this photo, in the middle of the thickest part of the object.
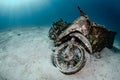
(69, 59)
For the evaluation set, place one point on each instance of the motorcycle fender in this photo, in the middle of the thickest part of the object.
(69, 30)
(76, 26)
(83, 39)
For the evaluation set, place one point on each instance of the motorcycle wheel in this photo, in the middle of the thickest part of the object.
(69, 60)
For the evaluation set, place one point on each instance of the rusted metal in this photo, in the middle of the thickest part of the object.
(73, 39)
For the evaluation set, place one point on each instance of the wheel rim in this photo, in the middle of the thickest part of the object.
(69, 62)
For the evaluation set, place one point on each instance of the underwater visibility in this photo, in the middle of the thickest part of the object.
(39, 39)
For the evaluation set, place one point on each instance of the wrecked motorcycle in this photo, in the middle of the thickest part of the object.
(74, 39)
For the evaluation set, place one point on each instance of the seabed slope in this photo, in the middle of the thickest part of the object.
(25, 54)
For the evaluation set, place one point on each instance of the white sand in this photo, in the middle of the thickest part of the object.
(28, 57)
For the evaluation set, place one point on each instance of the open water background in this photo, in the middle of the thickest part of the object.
(105, 12)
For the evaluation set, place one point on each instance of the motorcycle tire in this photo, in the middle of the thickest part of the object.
(73, 65)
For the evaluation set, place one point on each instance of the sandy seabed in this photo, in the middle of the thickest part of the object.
(25, 54)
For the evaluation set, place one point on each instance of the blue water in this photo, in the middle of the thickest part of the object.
(44, 13)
